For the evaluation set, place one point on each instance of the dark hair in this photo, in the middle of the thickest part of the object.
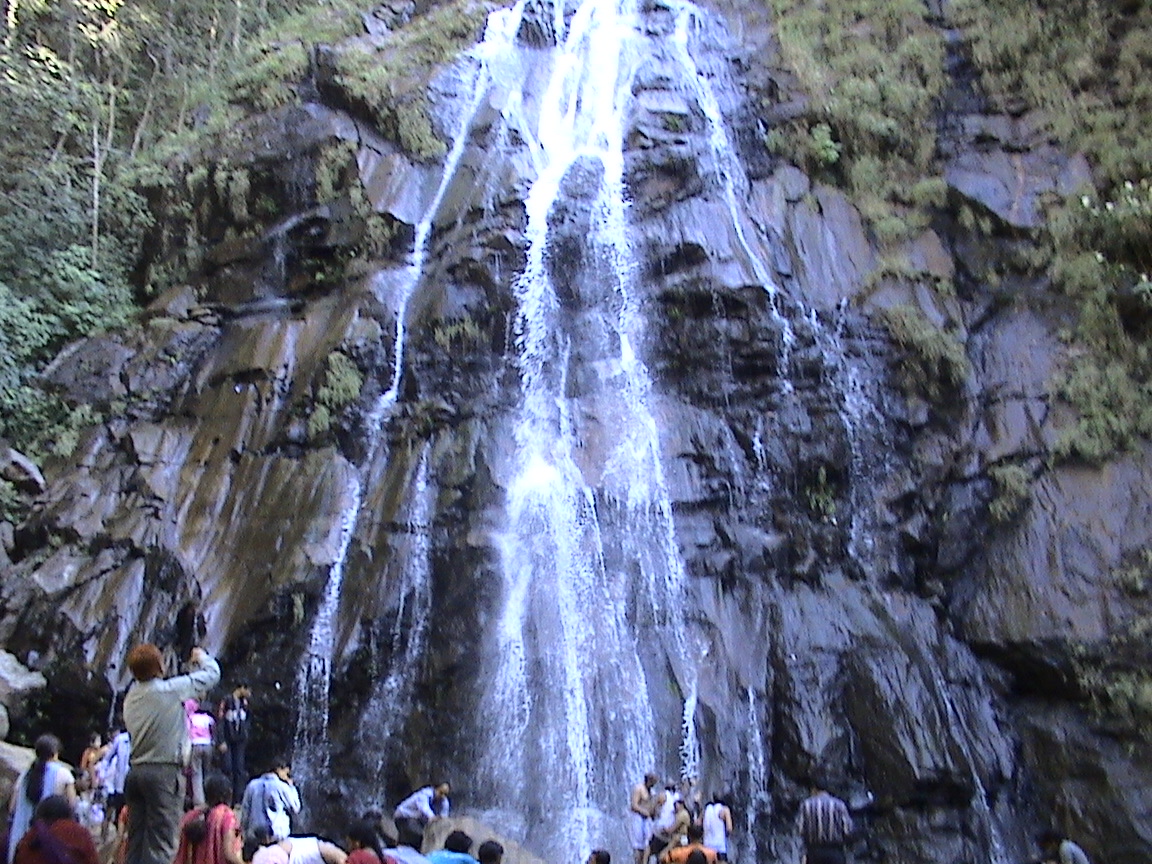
(458, 841)
(490, 852)
(195, 830)
(53, 808)
(375, 819)
(697, 856)
(365, 834)
(280, 761)
(217, 790)
(695, 833)
(601, 856)
(47, 748)
(1049, 837)
(145, 662)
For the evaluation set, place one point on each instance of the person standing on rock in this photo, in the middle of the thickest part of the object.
(825, 826)
(200, 727)
(414, 813)
(45, 777)
(232, 733)
(717, 825)
(663, 820)
(1062, 850)
(154, 718)
(640, 817)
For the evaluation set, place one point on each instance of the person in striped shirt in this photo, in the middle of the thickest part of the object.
(825, 826)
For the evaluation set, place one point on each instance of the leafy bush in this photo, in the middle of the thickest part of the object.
(935, 362)
(1084, 64)
(873, 70)
(1012, 491)
(341, 387)
(1103, 258)
(391, 80)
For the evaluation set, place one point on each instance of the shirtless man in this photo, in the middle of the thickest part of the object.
(640, 815)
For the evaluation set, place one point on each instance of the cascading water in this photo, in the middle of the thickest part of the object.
(593, 580)
(408, 635)
(760, 795)
(314, 680)
(688, 17)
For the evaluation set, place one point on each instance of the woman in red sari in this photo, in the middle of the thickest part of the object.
(211, 834)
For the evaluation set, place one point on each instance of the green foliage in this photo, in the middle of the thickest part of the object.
(821, 495)
(1012, 484)
(456, 333)
(935, 362)
(1116, 675)
(341, 387)
(1113, 409)
(268, 79)
(1103, 258)
(11, 505)
(342, 382)
(319, 422)
(1085, 65)
(1135, 575)
(873, 70)
(391, 79)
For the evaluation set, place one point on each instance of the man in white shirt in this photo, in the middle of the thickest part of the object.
(414, 813)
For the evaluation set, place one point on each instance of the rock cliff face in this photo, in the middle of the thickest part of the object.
(531, 488)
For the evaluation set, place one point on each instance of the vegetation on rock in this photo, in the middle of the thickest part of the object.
(935, 362)
(340, 388)
(873, 70)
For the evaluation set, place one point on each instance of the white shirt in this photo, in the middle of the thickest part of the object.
(418, 805)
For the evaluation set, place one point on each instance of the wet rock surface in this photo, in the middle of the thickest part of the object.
(864, 619)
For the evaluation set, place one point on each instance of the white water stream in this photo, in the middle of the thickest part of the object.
(314, 681)
(592, 575)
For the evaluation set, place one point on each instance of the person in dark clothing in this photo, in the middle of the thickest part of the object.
(232, 726)
(825, 826)
(55, 837)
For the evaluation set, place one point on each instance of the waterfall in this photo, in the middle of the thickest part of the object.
(592, 578)
(731, 173)
(759, 807)
(408, 635)
(314, 679)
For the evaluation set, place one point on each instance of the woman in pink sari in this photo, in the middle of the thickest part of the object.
(211, 834)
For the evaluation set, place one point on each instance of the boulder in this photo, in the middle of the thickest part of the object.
(435, 833)
(13, 760)
(21, 471)
(17, 681)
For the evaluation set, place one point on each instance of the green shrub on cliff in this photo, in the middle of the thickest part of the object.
(1011, 492)
(1103, 261)
(935, 363)
(391, 79)
(340, 388)
(873, 70)
(1083, 65)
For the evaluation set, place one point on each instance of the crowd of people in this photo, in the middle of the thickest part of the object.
(136, 784)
